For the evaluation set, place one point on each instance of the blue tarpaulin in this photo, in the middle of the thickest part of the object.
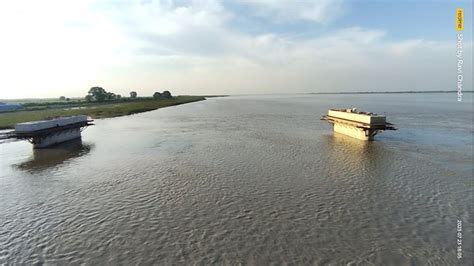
(9, 107)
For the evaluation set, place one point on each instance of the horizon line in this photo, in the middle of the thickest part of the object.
(282, 93)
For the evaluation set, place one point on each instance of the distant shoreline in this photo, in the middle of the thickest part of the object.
(387, 92)
(34, 100)
(8, 119)
(75, 99)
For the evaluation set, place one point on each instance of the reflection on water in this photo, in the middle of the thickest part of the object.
(43, 159)
(351, 153)
(350, 145)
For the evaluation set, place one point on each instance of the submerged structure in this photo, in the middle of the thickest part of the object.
(359, 125)
(46, 133)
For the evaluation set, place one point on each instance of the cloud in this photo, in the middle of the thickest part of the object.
(320, 11)
(193, 48)
(408, 47)
(344, 60)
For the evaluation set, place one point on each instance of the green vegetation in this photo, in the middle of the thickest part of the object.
(164, 95)
(98, 94)
(34, 111)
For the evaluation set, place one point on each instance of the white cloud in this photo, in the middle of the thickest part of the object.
(320, 11)
(409, 47)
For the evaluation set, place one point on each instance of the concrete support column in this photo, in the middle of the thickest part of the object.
(353, 131)
(57, 137)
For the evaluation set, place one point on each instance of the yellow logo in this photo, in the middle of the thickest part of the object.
(459, 18)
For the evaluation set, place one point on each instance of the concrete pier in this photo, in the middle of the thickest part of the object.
(56, 137)
(352, 131)
(359, 125)
(46, 133)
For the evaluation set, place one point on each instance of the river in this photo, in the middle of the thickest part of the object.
(250, 180)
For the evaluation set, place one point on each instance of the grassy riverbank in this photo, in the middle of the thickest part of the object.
(95, 110)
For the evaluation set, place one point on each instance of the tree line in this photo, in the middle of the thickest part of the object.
(99, 94)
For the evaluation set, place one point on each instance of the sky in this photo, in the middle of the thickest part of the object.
(55, 48)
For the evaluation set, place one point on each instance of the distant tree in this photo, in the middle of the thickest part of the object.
(89, 98)
(157, 95)
(62, 98)
(118, 96)
(167, 95)
(98, 94)
(68, 99)
(110, 96)
(133, 94)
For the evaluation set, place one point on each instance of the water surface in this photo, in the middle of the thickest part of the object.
(251, 180)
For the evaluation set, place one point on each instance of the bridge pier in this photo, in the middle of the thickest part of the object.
(56, 137)
(359, 125)
(46, 133)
